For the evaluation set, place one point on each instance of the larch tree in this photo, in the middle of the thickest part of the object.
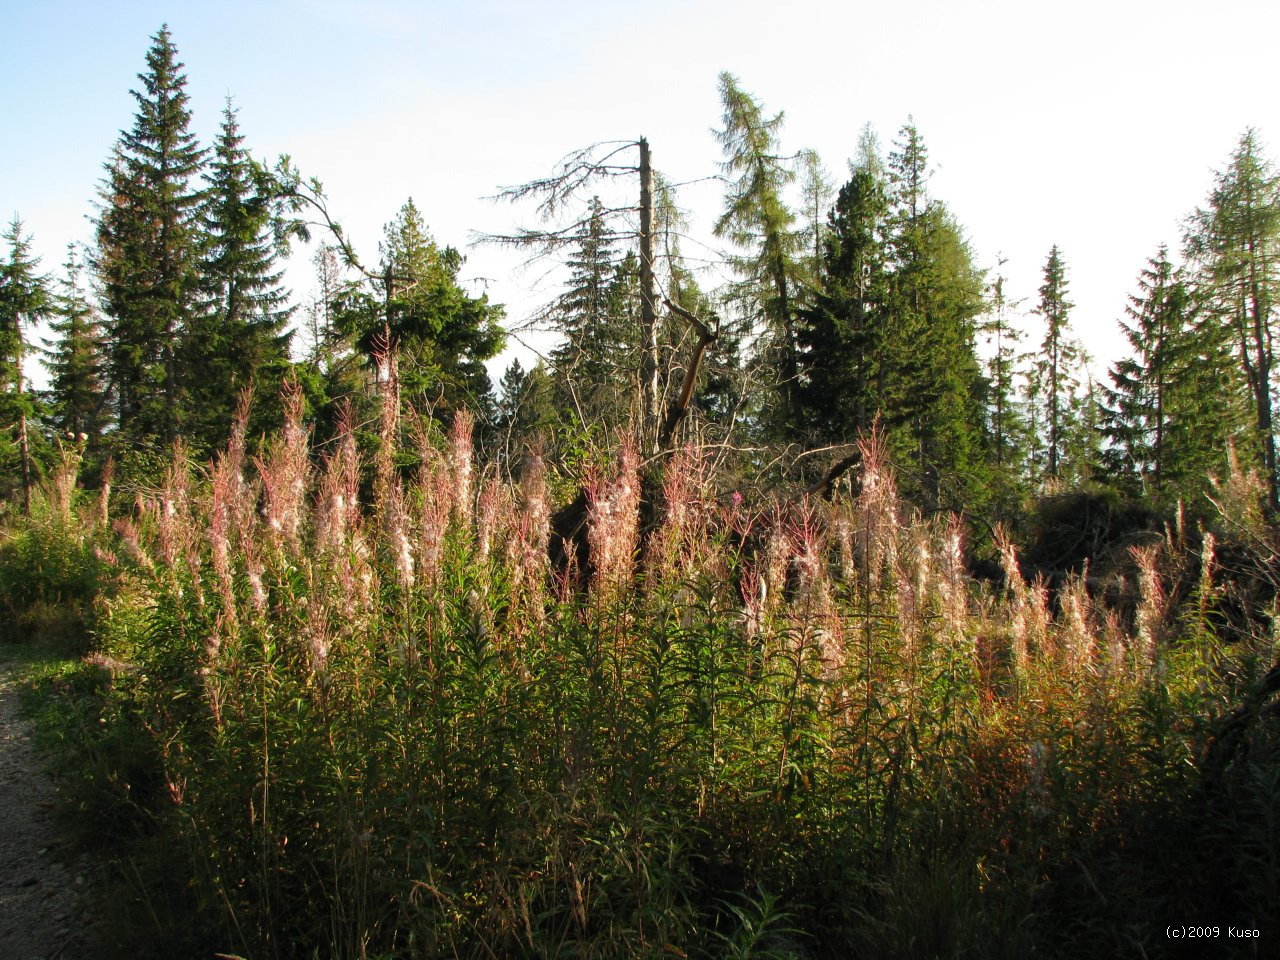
(757, 220)
(148, 250)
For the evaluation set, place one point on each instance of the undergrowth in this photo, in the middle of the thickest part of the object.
(313, 725)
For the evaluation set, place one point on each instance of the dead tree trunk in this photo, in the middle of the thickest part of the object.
(650, 441)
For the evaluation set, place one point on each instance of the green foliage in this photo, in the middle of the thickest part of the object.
(441, 333)
(391, 732)
(1173, 406)
(76, 362)
(238, 338)
(1053, 388)
(889, 337)
(24, 302)
(1233, 243)
(757, 220)
(148, 250)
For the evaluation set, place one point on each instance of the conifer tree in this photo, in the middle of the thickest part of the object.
(596, 314)
(1006, 425)
(757, 220)
(1174, 402)
(320, 308)
(526, 411)
(849, 350)
(239, 336)
(1235, 242)
(75, 360)
(24, 301)
(817, 192)
(148, 249)
(936, 297)
(1056, 382)
(442, 334)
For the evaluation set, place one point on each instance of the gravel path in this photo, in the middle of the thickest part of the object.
(40, 884)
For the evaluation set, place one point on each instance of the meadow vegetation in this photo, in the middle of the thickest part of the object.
(317, 706)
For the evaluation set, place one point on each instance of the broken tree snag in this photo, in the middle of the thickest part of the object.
(823, 487)
(648, 301)
(677, 410)
(1232, 733)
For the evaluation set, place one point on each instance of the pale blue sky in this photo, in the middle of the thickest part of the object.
(1095, 126)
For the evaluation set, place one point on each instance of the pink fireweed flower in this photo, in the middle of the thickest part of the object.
(397, 527)
(286, 472)
(493, 510)
(460, 462)
(613, 522)
(1151, 604)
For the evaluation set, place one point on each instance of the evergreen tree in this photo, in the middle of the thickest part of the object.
(1056, 384)
(75, 360)
(936, 296)
(320, 309)
(526, 411)
(240, 335)
(1005, 424)
(597, 315)
(442, 334)
(1236, 243)
(848, 344)
(1174, 403)
(148, 256)
(757, 219)
(24, 301)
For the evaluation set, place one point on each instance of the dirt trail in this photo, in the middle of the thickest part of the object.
(41, 917)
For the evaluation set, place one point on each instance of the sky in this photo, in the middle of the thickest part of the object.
(1095, 126)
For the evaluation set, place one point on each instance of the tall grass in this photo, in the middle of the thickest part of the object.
(391, 729)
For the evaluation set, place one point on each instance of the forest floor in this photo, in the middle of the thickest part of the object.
(43, 882)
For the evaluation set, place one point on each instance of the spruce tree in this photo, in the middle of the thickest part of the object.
(526, 412)
(148, 250)
(1005, 424)
(1056, 383)
(239, 336)
(1235, 242)
(24, 302)
(936, 296)
(75, 360)
(596, 314)
(847, 342)
(442, 334)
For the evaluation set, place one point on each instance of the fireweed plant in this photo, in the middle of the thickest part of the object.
(382, 724)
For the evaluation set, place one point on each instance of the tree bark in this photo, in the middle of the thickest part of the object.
(648, 307)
